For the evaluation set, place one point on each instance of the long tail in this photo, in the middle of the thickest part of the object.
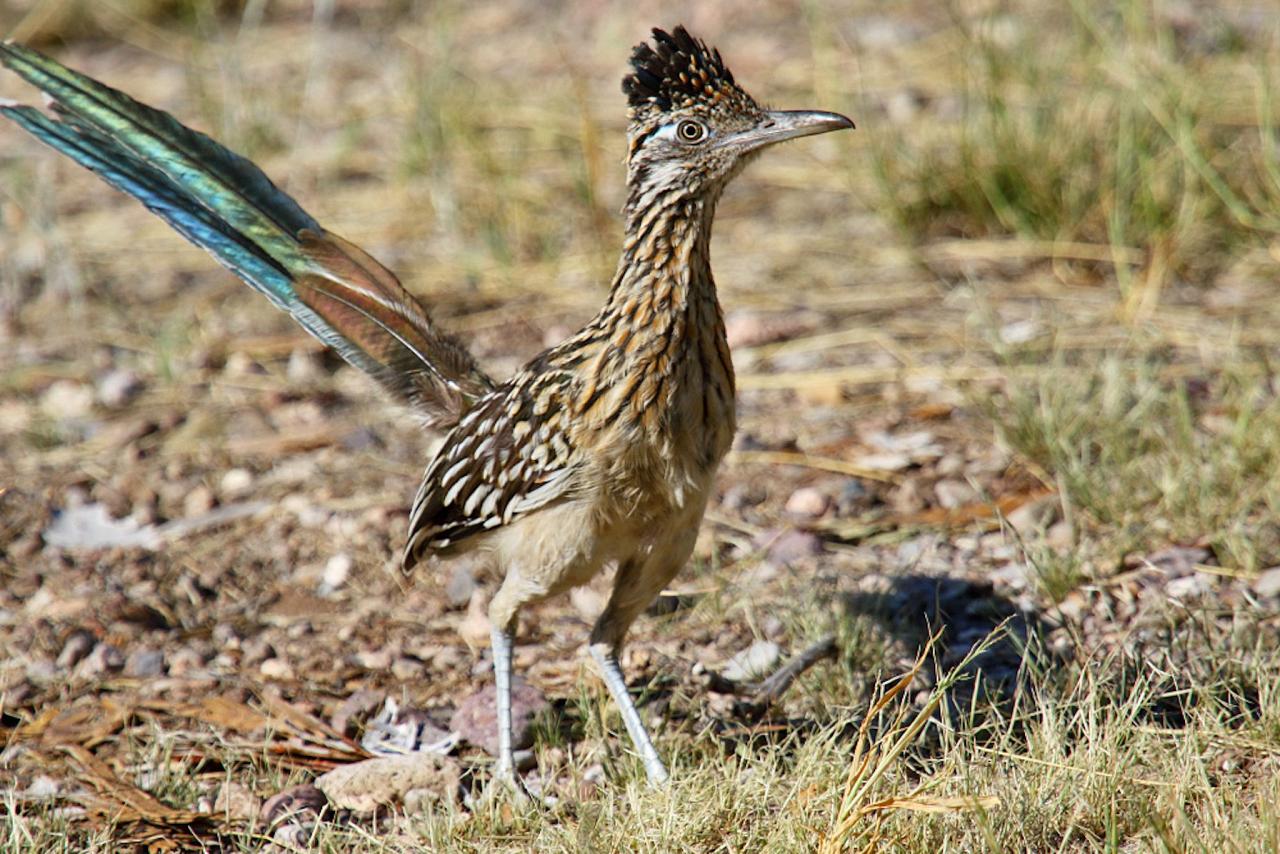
(227, 206)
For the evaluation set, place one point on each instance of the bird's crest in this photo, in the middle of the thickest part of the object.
(679, 72)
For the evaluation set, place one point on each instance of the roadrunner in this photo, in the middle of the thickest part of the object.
(601, 451)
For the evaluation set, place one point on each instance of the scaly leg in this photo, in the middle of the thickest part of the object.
(637, 583)
(607, 659)
(503, 639)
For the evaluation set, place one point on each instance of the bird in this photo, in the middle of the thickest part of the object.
(602, 450)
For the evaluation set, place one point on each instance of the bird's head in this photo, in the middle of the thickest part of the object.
(692, 127)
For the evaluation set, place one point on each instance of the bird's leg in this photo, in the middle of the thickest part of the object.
(607, 658)
(637, 583)
(503, 639)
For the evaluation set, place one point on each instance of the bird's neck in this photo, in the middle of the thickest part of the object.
(661, 335)
(665, 268)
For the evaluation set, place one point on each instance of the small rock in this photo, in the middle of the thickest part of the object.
(1188, 587)
(293, 836)
(363, 787)
(1267, 585)
(361, 702)
(257, 649)
(118, 388)
(67, 399)
(807, 502)
(198, 501)
(753, 662)
(235, 483)
(104, 659)
(43, 786)
(78, 645)
(1035, 515)
(374, 659)
(42, 671)
(1015, 575)
(1060, 536)
(790, 546)
(236, 801)
(954, 493)
(276, 668)
(476, 718)
(144, 663)
(336, 570)
(305, 802)
(184, 660)
(408, 669)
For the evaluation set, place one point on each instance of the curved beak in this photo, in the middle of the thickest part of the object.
(780, 125)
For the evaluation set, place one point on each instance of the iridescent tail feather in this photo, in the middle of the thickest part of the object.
(226, 205)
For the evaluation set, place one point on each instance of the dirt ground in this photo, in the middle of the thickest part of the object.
(201, 510)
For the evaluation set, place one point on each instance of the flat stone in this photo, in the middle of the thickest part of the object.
(1268, 583)
(954, 493)
(363, 787)
(791, 545)
(118, 388)
(236, 801)
(305, 802)
(78, 645)
(476, 718)
(144, 663)
(807, 502)
(1034, 515)
(754, 662)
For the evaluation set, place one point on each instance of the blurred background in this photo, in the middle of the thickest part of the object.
(1005, 353)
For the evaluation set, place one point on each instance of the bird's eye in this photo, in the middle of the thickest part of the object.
(691, 131)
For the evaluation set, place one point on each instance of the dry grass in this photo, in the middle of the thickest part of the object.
(1058, 253)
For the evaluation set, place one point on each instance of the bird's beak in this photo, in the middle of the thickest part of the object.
(781, 125)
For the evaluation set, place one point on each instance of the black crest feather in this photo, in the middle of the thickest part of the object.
(676, 71)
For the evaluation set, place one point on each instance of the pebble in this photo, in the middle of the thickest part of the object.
(1034, 515)
(1188, 587)
(754, 662)
(118, 388)
(954, 493)
(276, 668)
(198, 501)
(78, 645)
(144, 663)
(184, 660)
(235, 483)
(1268, 583)
(408, 669)
(363, 787)
(305, 802)
(374, 659)
(104, 659)
(807, 502)
(236, 801)
(790, 546)
(476, 717)
(67, 399)
(336, 571)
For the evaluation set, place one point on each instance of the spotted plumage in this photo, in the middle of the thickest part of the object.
(602, 450)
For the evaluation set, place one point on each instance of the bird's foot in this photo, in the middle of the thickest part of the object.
(506, 785)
